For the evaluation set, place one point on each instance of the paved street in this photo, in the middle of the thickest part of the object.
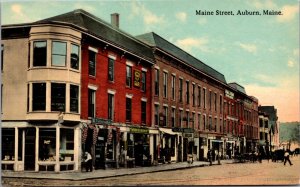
(266, 173)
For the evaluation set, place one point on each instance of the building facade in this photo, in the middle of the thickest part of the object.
(83, 85)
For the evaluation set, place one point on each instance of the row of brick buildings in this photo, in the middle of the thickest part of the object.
(74, 83)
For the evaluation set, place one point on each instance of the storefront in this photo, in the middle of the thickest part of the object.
(169, 142)
(40, 147)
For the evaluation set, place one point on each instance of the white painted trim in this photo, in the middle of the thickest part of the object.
(193, 83)
(166, 71)
(92, 87)
(166, 105)
(199, 113)
(187, 110)
(156, 103)
(129, 95)
(93, 49)
(114, 57)
(180, 108)
(174, 74)
(110, 91)
(180, 77)
(156, 67)
(144, 69)
(144, 99)
(129, 63)
(173, 107)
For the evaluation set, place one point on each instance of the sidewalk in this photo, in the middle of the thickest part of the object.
(97, 174)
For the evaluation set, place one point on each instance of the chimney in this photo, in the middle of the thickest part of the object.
(115, 20)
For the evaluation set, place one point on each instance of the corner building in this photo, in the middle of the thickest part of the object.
(41, 97)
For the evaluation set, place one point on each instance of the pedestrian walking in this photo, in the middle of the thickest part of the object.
(88, 162)
(287, 157)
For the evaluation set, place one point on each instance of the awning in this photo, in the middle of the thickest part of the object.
(220, 141)
(168, 131)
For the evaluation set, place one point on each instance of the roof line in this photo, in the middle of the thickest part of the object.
(192, 67)
(101, 21)
(186, 53)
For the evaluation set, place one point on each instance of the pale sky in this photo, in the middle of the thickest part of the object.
(259, 52)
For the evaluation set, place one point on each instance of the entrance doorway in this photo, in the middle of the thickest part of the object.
(30, 149)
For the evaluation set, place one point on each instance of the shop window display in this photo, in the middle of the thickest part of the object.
(8, 144)
(66, 144)
(47, 144)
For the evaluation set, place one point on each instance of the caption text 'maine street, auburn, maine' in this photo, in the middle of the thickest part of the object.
(238, 12)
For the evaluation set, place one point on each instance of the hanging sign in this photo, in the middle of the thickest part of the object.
(137, 78)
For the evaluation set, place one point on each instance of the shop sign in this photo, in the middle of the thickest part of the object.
(101, 121)
(139, 130)
(183, 130)
(229, 94)
(188, 135)
(137, 78)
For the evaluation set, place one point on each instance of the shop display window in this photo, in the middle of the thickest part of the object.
(66, 145)
(8, 144)
(47, 144)
(130, 145)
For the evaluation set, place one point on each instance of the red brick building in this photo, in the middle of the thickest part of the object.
(187, 101)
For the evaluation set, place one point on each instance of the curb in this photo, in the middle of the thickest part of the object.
(108, 176)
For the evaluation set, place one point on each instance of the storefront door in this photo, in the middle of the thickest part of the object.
(30, 149)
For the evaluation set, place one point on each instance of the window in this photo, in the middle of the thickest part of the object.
(128, 109)
(110, 107)
(193, 120)
(266, 124)
(156, 115)
(165, 116)
(209, 123)
(220, 126)
(261, 136)
(67, 144)
(143, 81)
(210, 98)
(216, 124)
(59, 52)
(74, 97)
(2, 98)
(47, 144)
(187, 92)
(143, 112)
(2, 50)
(204, 122)
(91, 103)
(40, 53)
(173, 87)
(180, 118)
(8, 144)
(38, 96)
(187, 114)
(58, 97)
(128, 76)
(92, 63)
(204, 98)
(215, 97)
(193, 94)
(221, 101)
(156, 79)
(165, 90)
(111, 69)
(180, 89)
(74, 56)
(199, 96)
(260, 123)
(199, 121)
(173, 117)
